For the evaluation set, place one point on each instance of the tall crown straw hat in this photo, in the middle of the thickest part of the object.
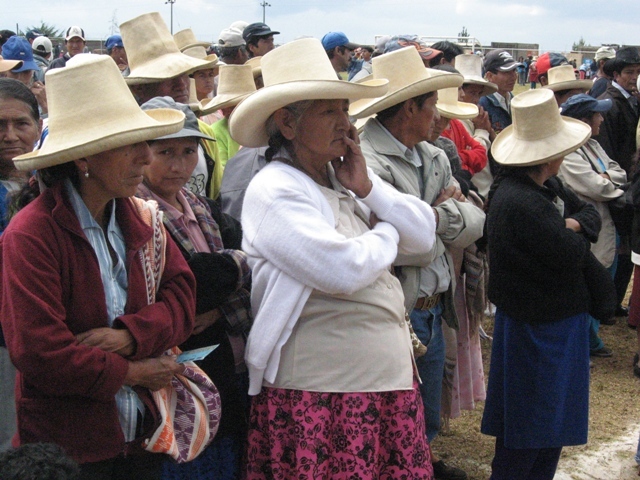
(152, 52)
(91, 110)
(407, 77)
(256, 65)
(470, 67)
(299, 70)
(538, 133)
(564, 78)
(449, 106)
(234, 85)
(186, 39)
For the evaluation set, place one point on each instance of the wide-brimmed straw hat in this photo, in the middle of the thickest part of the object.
(449, 106)
(538, 133)
(186, 39)
(201, 54)
(470, 67)
(234, 85)
(299, 70)
(256, 65)
(91, 110)
(407, 77)
(6, 65)
(564, 78)
(153, 54)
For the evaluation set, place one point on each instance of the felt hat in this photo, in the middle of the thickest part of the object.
(6, 65)
(407, 77)
(299, 70)
(470, 67)
(153, 54)
(234, 85)
(91, 110)
(186, 39)
(564, 78)
(538, 133)
(449, 106)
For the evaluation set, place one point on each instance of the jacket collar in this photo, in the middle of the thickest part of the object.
(378, 138)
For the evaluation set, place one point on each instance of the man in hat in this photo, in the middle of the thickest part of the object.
(602, 79)
(395, 144)
(75, 42)
(546, 62)
(563, 83)
(41, 49)
(500, 69)
(115, 49)
(18, 48)
(618, 138)
(259, 39)
(231, 47)
(339, 50)
(31, 35)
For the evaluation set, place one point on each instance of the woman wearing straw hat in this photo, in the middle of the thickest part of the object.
(210, 241)
(77, 311)
(329, 316)
(539, 236)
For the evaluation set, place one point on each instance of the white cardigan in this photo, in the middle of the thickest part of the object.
(293, 248)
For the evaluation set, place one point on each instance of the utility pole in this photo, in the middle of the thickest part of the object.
(264, 6)
(171, 2)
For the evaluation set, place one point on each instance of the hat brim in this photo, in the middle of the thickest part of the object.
(461, 111)
(6, 65)
(489, 87)
(185, 133)
(197, 44)
(247, 123)
(570, 85)
(511, 151)
(366, 108)
(167, 66)
(123, 131)
(509, 66)
(28, 65)
(222, 101)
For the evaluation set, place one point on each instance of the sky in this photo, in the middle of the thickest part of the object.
(553, 24)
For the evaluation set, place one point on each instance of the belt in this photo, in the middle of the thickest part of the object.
(427, 303)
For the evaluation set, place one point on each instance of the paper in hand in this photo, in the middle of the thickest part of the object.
(195, 355)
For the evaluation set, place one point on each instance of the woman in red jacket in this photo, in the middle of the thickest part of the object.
(83, 328)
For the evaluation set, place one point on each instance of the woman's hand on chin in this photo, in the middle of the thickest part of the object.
(351, 171)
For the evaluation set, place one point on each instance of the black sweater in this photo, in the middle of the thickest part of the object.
(536, 264)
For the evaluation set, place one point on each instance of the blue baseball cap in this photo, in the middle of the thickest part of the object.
(113, 41)
(583, 106)
(337, 39)
(19, 48)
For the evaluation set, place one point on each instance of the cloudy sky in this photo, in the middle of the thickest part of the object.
(554, 24)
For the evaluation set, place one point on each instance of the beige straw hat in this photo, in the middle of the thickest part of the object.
(538, 133)
(6, 65)
(256, 65)
(563, 77)
(299, 70)
(153, 54)
(234, 85)
(470, 67)
(91, 110)
(201, 54)
(186, 39)
(450, 107)
(408, 78)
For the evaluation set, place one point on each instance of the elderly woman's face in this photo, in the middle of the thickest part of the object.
(319, 134)
(172, 163)
(19, 131)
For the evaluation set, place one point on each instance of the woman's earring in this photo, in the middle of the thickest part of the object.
(86, 173)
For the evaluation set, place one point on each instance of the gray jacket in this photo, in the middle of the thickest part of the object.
(460, 223)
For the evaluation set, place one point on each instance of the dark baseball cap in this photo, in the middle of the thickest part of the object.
(257, 30)
(499, 60)
(33, 34)
(583, 105)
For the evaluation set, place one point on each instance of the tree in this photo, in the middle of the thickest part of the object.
(579, 46)
(463, 33)
(49, 30)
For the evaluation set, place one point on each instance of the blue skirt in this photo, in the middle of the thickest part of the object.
(538, 392)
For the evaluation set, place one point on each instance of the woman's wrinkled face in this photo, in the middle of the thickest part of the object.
(19, 131)
(320, 132)
(172, 163)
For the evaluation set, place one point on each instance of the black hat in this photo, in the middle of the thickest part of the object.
(257, 30)
(627, 56)
(33, 34)
(499, 61)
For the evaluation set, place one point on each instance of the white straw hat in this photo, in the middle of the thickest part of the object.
(299, 70)
(470, 67)
(450, 107)
(563, 77)
(153, 54)
(186, 39)
(201, 54)
(538, 133)
(407, 77)
(91, 110)
(234, 85)
(256, 65)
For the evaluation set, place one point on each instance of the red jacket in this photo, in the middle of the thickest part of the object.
(51, 291)
(472, 153)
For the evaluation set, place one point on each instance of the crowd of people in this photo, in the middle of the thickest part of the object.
(247, 261)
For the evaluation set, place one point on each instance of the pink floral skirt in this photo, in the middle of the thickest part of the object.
(295, 434)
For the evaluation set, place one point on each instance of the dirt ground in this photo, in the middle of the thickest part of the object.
(614, 422)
